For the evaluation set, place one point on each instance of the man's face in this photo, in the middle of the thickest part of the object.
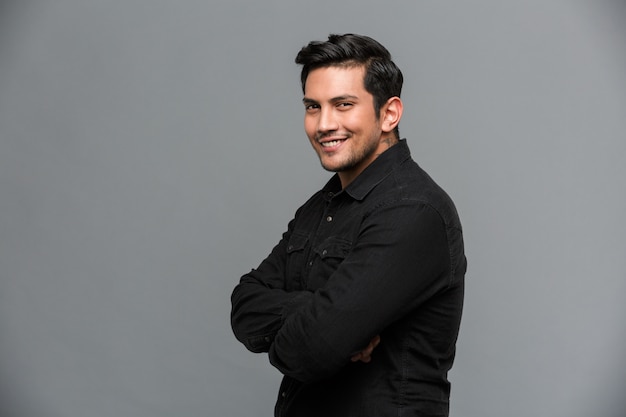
(340, 120)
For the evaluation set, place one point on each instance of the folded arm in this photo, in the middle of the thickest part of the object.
(260, 301)
(395, 266)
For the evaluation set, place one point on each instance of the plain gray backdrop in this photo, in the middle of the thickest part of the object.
(152, 152)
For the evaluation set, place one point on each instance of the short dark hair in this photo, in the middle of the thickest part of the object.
(383, 79)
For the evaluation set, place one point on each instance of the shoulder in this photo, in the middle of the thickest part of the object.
(410, 185)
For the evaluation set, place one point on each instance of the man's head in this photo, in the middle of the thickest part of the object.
(383, 79)
(352, 102)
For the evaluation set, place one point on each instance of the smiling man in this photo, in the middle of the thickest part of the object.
(346, 130)
(359, 304)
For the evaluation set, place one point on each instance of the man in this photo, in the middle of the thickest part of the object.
(359, 304)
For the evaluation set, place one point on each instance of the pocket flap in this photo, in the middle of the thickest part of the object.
(297, 242)
(334, 247)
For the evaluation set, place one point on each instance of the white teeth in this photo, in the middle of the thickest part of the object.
(331, 143)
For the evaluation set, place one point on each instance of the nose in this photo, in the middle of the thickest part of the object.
(327, 121)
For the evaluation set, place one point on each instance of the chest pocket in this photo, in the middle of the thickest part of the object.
(330, 253)
(296, 260)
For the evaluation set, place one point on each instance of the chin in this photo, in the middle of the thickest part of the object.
(330, 165)
(336, 168)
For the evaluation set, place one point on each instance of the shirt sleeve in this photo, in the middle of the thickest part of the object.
(260, 301)
(400, 260)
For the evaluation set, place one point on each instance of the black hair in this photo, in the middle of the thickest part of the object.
(383, 79)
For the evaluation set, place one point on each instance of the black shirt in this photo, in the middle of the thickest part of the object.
(382, 257)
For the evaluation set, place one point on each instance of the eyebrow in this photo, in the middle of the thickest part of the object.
(307, 100)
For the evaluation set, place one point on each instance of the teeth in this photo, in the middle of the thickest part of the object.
(331, 143)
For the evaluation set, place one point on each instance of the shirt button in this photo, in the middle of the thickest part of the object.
(324, 252)
(329, 218)
(310, 263)
(283, 394)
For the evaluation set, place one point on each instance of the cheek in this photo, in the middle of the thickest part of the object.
(353, 120)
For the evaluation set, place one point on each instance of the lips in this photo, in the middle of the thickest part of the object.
(331, 146)
(332, 143)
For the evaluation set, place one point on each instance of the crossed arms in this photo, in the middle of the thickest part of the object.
(393, 267)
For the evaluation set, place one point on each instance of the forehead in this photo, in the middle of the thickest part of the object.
(334, 81)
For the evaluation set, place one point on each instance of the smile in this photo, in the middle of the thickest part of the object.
(331, 143)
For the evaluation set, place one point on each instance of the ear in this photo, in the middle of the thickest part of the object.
(390, 114)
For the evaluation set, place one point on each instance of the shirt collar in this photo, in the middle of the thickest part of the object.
(373, 174)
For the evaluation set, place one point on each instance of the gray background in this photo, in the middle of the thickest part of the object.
(151, 152)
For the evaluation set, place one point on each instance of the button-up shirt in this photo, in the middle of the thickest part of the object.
(384, 256)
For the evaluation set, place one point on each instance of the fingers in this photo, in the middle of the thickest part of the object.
(366, 354)
(356, 357)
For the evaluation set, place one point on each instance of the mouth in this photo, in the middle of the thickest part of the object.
(332, 143)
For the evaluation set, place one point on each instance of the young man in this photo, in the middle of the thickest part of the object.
(359, 304)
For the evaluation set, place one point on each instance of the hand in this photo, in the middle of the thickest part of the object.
(366, 354)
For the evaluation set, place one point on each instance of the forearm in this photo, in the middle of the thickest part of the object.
(258, 312)
(310, 348)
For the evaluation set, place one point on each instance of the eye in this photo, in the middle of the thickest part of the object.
(311, 107)
(344, 105)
